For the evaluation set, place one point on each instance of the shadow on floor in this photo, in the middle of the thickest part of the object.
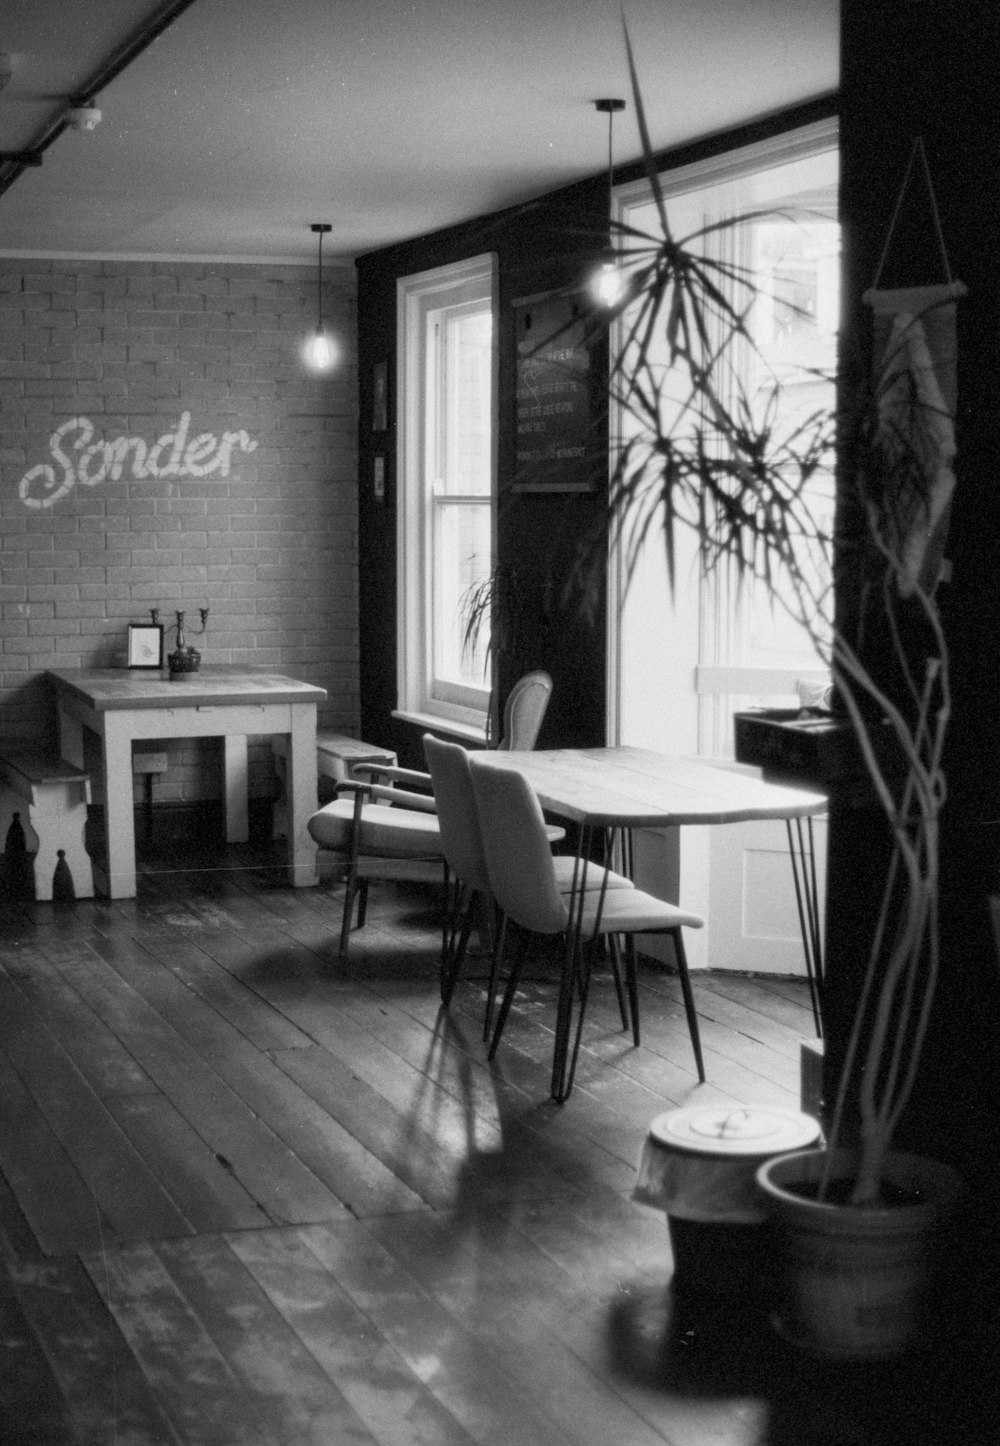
(707, 1347)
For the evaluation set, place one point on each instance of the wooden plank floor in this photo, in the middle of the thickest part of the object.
(250, 1195)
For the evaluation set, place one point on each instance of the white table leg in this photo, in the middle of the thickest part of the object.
(301, 793)
(119, 815)
(237, 788)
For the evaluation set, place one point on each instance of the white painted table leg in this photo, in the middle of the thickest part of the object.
(301, 793)
(279, 817)
(119, 815)
(237, 788)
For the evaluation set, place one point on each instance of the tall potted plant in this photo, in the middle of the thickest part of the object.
(700, 451)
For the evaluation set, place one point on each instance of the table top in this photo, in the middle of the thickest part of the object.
(637, 788)
(214, 685)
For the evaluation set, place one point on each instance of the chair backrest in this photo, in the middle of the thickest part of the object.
(458, 819)
(524, 710)
(518, 855)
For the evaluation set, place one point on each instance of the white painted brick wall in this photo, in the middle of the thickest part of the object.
(271, 549)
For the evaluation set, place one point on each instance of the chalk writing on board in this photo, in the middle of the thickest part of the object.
(552, 398)
(82, 460)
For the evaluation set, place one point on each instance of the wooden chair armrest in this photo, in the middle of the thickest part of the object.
(384, 772)
(379, 792)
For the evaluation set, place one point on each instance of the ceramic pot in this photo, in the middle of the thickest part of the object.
(857, 1282)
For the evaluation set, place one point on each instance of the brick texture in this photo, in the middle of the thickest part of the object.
(163, 445)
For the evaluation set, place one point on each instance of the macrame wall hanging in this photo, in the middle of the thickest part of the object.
(915, 372)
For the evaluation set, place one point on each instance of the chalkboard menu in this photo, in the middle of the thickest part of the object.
(553, 397)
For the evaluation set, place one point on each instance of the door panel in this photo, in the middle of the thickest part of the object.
(755, 919)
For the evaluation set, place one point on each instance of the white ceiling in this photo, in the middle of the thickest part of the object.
(248, 119)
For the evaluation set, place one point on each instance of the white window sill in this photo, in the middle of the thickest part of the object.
(433, 723)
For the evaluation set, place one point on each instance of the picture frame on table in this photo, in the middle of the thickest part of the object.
(145, 645)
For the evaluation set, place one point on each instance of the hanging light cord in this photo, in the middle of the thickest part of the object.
(610, 105)
(319, 284)
(321, 228)
(320, 352)
(611, 173)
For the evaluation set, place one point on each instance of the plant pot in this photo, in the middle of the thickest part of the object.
(857, 1282)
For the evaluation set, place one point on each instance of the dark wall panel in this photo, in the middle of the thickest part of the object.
(541, 247)
(929, 69)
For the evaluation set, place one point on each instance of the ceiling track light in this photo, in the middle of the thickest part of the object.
(607, 285)
(82, 114)
(320, 351)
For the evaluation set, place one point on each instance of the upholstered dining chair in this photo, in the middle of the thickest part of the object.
(382, 823)
(525, 709)
(467, 885)
(523, 882)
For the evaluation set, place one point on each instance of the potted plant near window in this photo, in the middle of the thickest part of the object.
(699, 451)
(499, 623)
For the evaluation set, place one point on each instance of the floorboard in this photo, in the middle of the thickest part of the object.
(253, 1195)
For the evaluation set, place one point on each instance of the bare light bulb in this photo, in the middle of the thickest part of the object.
(320, 351)
(607, 284)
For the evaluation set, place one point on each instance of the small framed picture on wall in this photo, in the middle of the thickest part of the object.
(380, 397)
(145, 645)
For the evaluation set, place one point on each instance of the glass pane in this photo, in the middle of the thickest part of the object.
(463, 551)
(447, 458)
(796, 265)
(468, 402)
(792, 250)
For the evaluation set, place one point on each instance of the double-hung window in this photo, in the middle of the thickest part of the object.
(730, 638)
(447, 467)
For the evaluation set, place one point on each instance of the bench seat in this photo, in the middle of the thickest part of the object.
(56, 794)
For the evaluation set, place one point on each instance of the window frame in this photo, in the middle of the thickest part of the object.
(421, 698)
(714, 684)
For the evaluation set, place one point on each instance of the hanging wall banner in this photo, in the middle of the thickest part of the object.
(916, 364)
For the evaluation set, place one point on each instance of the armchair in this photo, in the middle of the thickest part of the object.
(382, 823)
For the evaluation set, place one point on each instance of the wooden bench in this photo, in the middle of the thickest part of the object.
(57, 795)
(337, 756)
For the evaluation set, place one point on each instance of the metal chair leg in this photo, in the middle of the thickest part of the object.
(632, 983)
(561, 1089)
(689, 1009)
(499, 940)
(350, 891)
(447, 920)
(509, 992)
(616, 972)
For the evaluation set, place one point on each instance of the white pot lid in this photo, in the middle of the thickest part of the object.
(734, 1130)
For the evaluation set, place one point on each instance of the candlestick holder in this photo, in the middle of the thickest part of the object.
(184, 659)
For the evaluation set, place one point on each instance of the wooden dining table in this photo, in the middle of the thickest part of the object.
(121, 706)
(612, 791)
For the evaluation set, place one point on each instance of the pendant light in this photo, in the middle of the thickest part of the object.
(607, 283)
(320, 351)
